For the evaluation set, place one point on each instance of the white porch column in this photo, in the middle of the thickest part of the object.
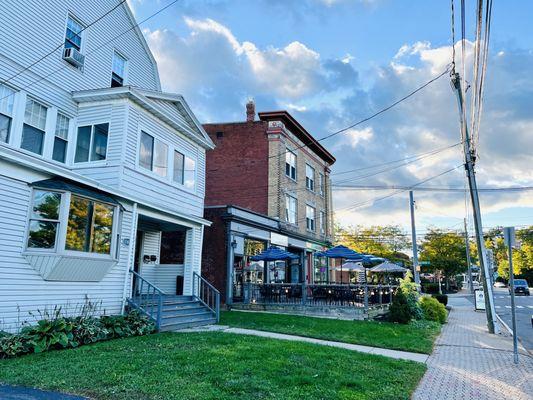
(193, 255)
(131, 250)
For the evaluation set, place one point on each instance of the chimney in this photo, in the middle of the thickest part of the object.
(250, 111)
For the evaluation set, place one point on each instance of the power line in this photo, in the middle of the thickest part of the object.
(61, 44)
(101, 46)
(430, 188)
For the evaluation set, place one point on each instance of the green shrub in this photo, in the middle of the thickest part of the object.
(50, 334)
(430, 287)
(410, 291)
(399, 310)
(132, 324)
(433, 310)
(88, 330)
(441, 298)
(14, 345)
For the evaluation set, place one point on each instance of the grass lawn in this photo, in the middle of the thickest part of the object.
(214, 365)
(417, 337)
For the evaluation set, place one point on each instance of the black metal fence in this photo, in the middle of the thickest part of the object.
(339, 295)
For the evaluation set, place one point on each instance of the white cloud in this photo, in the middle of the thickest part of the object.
(355, 136)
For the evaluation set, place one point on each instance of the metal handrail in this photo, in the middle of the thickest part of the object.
(147, 298)
(206, 293)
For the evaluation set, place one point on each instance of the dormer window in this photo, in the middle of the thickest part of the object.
(73, 34)
(119, 70)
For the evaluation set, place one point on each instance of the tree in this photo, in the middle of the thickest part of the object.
(381, 241)
(446, 252)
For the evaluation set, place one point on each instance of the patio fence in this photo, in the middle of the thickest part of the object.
(338, 295)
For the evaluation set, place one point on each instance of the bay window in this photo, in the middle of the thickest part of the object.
(44, 220)
(89, 226)
(91, 143)
(7, 96)
(33, 129)
(153, 154)
(83, 224)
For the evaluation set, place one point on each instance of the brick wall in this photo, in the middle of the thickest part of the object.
(214, 250)
(237, 169)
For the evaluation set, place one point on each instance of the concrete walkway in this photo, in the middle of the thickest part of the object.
(469, 363)
(400, 355)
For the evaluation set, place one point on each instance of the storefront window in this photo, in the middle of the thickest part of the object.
(321, 270)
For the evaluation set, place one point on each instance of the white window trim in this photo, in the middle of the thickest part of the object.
(313, 180)
(126, 65)
(75, 145)
(314, 218)
(61, 233)
(289, 150)
(322, 221)
(84, 38)
(296, 210)
(169, 179)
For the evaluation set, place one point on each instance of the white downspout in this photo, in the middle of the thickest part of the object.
(133, 237)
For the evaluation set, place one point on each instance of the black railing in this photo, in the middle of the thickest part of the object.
(207, 294)
(342, 295)
(147, 298)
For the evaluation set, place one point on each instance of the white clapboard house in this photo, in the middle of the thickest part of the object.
(101, 173)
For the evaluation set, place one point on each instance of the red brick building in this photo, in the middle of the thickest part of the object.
(274, 168)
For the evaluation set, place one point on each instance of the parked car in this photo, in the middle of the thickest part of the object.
(499, 284)
(520, 287)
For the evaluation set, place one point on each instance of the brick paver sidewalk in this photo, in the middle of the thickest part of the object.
(469, 363)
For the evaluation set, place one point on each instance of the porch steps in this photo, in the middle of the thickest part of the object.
(182, 312)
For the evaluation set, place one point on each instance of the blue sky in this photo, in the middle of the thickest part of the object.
(333, 62)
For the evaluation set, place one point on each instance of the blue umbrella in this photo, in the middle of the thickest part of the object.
(342, 252)
(274, 254)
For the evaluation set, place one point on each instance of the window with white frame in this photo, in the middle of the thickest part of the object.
(91, 143)
(73, 34)
(189, 173)
(290, 164)
(7, 97)
(309, 177)
(321, 184)
(59, 152)
(118, 73)
(179, 166)
(291, 207)
(33, 129)
(153, 154)
(89, 227)
(310, 217)
(44, 220)
(322, 222)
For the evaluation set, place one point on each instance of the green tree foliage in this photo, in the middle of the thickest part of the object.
(522, 258)
(446, 252)
(381, 241)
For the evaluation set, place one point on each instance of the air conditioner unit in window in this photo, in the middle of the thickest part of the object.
(74, 57)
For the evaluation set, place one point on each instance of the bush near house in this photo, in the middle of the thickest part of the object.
(433, 310)
(442, 298)
(58, 332)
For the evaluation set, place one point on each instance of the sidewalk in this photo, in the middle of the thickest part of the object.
(469, 363)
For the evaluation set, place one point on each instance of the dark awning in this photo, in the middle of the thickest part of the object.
(76, 188)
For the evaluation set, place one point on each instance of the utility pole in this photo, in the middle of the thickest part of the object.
(468, 261)
(416, 268)
(469, 166)
(509, 236)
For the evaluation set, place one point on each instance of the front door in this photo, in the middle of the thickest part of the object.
(137, 260)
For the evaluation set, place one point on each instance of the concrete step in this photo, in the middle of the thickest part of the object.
(176, 326)
(181, 306)
(185, 312)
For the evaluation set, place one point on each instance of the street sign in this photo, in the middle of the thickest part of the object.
(479, 297)
(424, 263)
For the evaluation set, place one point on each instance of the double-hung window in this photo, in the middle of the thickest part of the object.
(322, 222)
(73, 34)
(290, 164)
(184, 170)
(61, 138)
(310, 217)
(291, 206)
(90, 225)
(153, 154)
(33, 130)
(44, 220)
(309, 177)
(7, 97)
(91, 143)
(321, 184)
(118, 72)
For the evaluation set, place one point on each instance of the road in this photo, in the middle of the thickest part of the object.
(524, 311)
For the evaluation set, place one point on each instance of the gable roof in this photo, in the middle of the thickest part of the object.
(168, 107)
(139, 33)
(300, 132)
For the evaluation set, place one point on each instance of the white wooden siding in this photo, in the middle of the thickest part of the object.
(23, 290)
(29, 29)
